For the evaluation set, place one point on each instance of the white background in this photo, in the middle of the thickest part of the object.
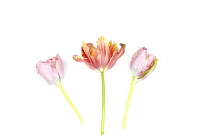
(173, 103)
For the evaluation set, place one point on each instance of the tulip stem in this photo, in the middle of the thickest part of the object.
(70, 103)
(103, 103)
(128, 102)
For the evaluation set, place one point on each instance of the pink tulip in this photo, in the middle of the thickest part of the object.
(142, 64)
(51, 70)
(101, 58)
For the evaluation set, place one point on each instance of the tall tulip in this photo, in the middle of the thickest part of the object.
(101, 59)
(141, 65)
(52, 72)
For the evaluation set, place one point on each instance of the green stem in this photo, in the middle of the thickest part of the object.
(71, 104)
(128, 102)
(103, 103)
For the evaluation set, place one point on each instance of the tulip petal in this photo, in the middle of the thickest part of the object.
(86, 51)
(59, 66)
(116, 56)
(48, 73)
(95, 57)
(112, 61)
(149, 71)
(138, 61)
(102, 45)
(85, 57)
(91, 55)
(79, 59)
(149, 62)
(122, 50)
(112, 47)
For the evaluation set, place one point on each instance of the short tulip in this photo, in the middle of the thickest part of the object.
(52, 72)
(141, 65)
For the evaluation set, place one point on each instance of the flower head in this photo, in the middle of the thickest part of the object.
(51, 70)
(142, 64)
(101, 58)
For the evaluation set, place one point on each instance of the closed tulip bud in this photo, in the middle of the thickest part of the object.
(52, 72)
(141, 65)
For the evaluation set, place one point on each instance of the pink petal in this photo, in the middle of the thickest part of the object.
(48, 73)
(79, 59)
(113, 48)
(149, 62)
(116, 56)
(149, 71)
(59, 66)
(138, 61)
(122, 50)
(113, 60)
(102, 45)
(91, 61)
(86, 51)
(95, 56)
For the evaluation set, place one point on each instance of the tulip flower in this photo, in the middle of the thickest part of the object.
(52, 72)
(101, 59)
(141, 65)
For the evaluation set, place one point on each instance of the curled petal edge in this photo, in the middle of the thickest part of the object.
(116, 56)
(122, 50)
(79, 59)
(149, 71)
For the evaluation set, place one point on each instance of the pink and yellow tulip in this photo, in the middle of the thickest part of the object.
(101, 58)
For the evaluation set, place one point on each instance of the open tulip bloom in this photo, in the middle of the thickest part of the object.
(141, 65)
(52, 72)
(101, 59)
